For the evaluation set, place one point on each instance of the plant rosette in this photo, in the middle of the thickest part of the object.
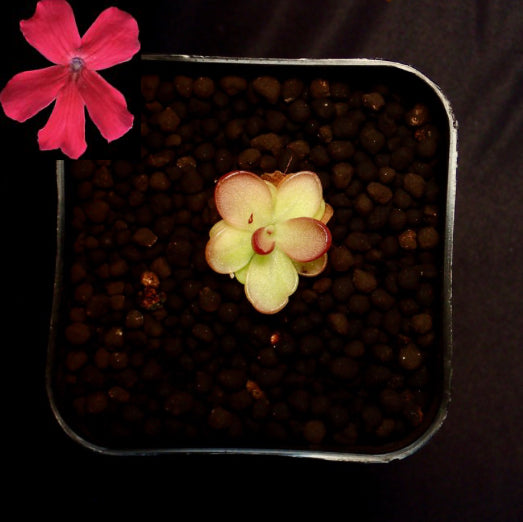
(273, 229)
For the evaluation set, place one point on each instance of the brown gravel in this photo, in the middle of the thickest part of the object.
(159, 351)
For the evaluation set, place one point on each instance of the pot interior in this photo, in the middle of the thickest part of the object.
(356, 366)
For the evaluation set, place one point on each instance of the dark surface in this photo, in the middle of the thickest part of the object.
(472, 469)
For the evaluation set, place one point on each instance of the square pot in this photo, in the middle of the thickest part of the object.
(357, 366)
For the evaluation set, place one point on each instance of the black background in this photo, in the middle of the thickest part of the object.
(472, 469)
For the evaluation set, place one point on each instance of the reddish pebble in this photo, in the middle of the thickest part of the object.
(407, 240)
(77, 333)
(421, 323)
(145, 237)
(314, 431)
(267, 87)
(410, 357)
(428, 237)
(364, 281)
(379, 192)
(96, 402)
(75, 360)
(119, 394)
(220, 418)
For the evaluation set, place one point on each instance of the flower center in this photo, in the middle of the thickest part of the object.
(263, 241)
(76, 64)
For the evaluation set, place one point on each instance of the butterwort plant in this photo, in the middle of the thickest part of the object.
(73, 82)
(273, 229)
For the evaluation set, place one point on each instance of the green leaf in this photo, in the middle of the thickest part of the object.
(228, 249)
(270, 280)
(299, 195)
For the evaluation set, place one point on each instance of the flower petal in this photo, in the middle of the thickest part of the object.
(244, 200)
(228, 249)
(271, 279)
(111, 39)
(303, 239)
(299, 195)
(106, 105)
(65, 128)
(312, 268)
(52, 31)
(27, 93)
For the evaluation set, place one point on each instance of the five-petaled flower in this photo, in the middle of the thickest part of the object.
(73, 81)
(273, 229)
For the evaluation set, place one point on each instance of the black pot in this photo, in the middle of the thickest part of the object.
(346, 371)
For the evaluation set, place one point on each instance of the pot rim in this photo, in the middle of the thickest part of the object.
(359, 457)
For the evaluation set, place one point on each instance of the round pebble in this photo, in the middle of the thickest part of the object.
(421, 323)
(268, 87)
(314, 431)
(364, 281)
(96, 210)
(75, 360)
(428, 237)
(145, 237)
(414, 184)
(220, 418)
(77, 333)
(410, 357)
(379, 192)
(341, 258)
(96, 402)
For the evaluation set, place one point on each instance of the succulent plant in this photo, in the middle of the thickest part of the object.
(273, 229)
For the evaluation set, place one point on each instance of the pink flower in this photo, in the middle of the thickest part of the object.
(73, 81)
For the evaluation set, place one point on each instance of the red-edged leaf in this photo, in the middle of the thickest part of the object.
(303, 239)
(244, 200)
(263, 240)
(299, 195)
